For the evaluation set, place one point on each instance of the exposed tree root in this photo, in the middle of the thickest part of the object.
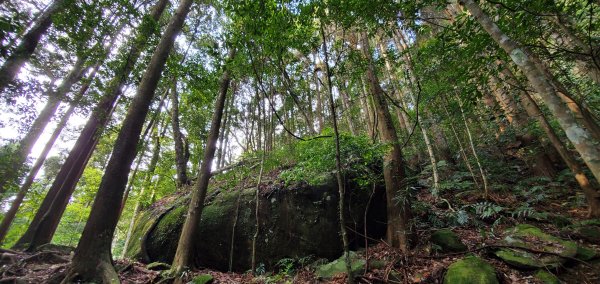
(103, 272)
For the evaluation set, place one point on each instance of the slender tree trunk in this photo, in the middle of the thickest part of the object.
(12, 212)
(588, 62)
(398, 213)
(463, 152)
(71, 171)
(146, 183)
(348, 109)
(542, 164)
(10, 177)
(430, 152)
(256, 212)
(180, 160)
(186, 240)
(533, 110)
(581, 137)
(319, 96)
(367, 112)
(92, 258)
(152, 124)
(472, 144)
(287, 81)
(13, 64)
(338, 163)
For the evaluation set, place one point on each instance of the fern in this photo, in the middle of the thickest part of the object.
(487, 210)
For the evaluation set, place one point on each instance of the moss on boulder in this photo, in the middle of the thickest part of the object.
(520, 259)
(448, 241)
(546, 277)
(202, 279)
(338, 266)
(470, 270)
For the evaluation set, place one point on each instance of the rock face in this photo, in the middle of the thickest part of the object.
(470, 270)
(295, 221)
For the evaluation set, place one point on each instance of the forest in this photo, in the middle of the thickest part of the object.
(300, 141)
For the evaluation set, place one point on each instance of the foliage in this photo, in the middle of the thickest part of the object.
(361, 160)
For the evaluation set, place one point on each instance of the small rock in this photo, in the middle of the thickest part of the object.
(471, 270)
(546, 277)
(338, 266)
(158, 266)
(448, 241)
(202, 279)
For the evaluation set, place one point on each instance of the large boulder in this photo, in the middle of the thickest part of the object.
(294, 221)
(470, 270)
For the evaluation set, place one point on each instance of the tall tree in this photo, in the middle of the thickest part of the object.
(186, 239)
(580, 136)
(60, 192)
(21, 54)
(11, 174)
(398, 212)
(180, 148)
(92, 260)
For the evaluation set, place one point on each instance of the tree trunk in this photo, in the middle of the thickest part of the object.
(186, 239)
(13, 64)
(12, 212)
(180, 160)
(11, 175)
(92, 259)
(463, 152)
(398, 213)
(592, 196)
(589, 61)
(146, 182)
(70, 172)
(338, 163)
(542, 165)
(472, 144)
(578, 135)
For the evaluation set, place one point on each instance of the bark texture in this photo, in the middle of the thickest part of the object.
(186, 240)
(62, 188)
(92, 260)
(580, 136)
(29, 42)
(398, 230)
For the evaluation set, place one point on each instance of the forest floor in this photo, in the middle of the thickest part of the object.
(422, 265)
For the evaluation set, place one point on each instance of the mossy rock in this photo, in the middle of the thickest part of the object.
(338, 266)
(546, 277)
(520, 259)
(585, 253)
(202, 279)
(158, 266)
(470, 270)
(528, 236)
(448, 241)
